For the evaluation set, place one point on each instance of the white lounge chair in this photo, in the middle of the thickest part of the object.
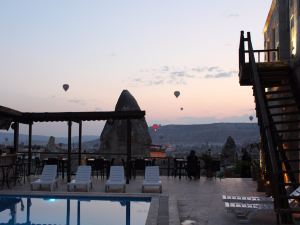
(47, 178)
(152, 178)
(244, 206)
(247, 199)
(243, 210)
(82, 179)
(116, 178)
(256, 200)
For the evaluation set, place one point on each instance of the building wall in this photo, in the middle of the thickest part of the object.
(276, 30)
(281, 31)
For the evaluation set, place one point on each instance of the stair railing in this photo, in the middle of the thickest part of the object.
(276, 169)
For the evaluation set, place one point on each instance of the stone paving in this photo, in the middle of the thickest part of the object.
(189, 200)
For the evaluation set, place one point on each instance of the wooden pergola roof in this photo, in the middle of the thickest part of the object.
(30, 117)
(8, 116)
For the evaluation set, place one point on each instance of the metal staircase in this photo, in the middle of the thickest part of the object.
(279, 119)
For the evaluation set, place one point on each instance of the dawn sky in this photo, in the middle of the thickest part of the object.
(151, 48)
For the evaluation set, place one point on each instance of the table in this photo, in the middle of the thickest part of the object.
(62, 165)
(179, 162)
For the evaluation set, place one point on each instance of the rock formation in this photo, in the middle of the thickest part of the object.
(113, 138)
(51, 146)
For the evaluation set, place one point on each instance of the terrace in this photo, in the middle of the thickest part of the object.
(197, 200)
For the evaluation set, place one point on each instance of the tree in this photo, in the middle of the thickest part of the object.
(229, 155)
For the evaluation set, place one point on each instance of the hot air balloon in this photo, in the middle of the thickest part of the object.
(181, 108)
(250, 118)
(65, 87)
(155, 127)
(176, 93)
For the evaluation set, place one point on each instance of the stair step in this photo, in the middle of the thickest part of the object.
(291, 184)
(289, 150)
(289, 140)
(287, 121)
(281, 98)
(282, 105)
(273, 83)
(291, 171)
(285, 113)
(291, 160)
(288, 130)
(289, 210)
(278, 92)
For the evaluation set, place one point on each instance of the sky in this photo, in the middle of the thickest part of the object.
(151, 48)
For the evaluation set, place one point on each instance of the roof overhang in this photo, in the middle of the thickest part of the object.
(271, 11)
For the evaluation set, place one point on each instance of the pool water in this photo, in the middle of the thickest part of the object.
(73, 211)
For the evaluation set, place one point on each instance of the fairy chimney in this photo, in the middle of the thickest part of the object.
(113, 138)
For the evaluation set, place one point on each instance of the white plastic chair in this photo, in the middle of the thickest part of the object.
(152, 178)
(244, 206)
(47, 178)
(116, 178)
(82, 179)
(254, 199)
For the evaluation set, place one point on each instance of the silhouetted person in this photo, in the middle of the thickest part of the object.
(192, 165)
(245, 164)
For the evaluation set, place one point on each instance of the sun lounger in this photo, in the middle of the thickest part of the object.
(152, 178)
(244, 206)
(82, 179)
(47, 178)
(247, 199)
(253, 199)
(243, 210)
(116, 179)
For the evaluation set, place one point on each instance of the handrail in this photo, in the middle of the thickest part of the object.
(268, 51)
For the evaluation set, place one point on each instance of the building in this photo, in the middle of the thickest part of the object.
(274, 73)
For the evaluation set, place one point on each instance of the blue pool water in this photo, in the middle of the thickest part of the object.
(73, 211)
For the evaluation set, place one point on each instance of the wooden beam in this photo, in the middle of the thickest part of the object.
(16, 137)
(79, 116)
(69, 150)
(29, 149)
(128, 163)
(79, 143)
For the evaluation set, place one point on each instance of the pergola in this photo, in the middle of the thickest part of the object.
(10, 116)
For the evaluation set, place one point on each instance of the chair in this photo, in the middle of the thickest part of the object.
(98, 167)
(116, 178)
(244, 206)
(38, 166)
(82, 178)
(152, 178)
(246, 199)
(48, 177)
(252, 199)
(139, 164)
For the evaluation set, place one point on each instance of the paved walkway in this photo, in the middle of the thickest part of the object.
(195, 200)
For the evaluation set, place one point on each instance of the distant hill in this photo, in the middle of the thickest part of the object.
(42, 140)
(216, 134)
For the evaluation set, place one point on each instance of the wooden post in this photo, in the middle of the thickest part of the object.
(16, 136)
(69, 150)
(78, 212)
(68, 211)
(28, 205)
(127, 212)
(79, 143)
(29, 149)
(128, 164)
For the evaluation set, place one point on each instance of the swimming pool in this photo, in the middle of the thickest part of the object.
(56, 210)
